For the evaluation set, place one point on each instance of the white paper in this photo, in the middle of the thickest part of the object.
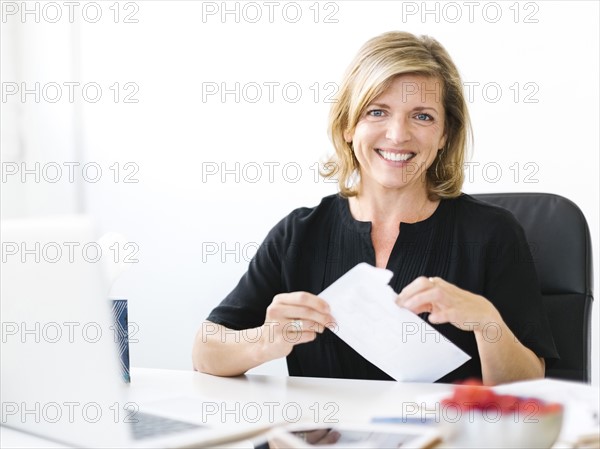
(392, 338)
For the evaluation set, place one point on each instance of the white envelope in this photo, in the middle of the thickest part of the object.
(392, 338)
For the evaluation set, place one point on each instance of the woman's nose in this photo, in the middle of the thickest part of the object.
(398, 130)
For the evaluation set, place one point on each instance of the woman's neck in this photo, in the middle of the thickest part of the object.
(391, 207)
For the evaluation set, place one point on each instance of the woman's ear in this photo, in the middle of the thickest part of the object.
(443, 141)
(348, 136)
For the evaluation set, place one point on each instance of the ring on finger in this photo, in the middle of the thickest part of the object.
(298, 324)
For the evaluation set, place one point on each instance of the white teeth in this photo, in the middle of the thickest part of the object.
(395, 157)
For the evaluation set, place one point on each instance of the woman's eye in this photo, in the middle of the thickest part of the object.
(375, 113)
(423, 116)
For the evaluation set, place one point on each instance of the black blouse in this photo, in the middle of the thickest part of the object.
(474, 245)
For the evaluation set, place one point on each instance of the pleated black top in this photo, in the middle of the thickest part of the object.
(476, 246)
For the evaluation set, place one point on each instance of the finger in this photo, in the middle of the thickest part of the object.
(437, 317)
(315, 436)
(304, 299)
(426, 301)
(417, 286)
(332, 437)
(304, 314)
(309, 325)
(305, 337)
(297, 325)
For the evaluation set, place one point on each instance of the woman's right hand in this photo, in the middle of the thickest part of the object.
(293, 318)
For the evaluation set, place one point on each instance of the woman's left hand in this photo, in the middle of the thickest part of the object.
(446, 303)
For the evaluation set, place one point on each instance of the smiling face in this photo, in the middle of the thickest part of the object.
(399, 133)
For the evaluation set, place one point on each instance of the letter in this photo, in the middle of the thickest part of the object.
(35, 411)
(235, 172)
(298, 172)
(34, 171)
(226, 332)
(85, 252)
(469, 85)
(45, 172)
(471, 6)
(209, 9)
(9, 88)
(71, 407)
(71, 86)
(9, 9)
(408, 409)
(498, 172)
(271, 166)
(235, 11)
(271, 408)
(285, 89)
(71, 6)
(208, 409)
(235, 411)
(35, 11)
(58, 332)
(488, 98)
(57, 413)
(35, 91)
(208, 329)
(97, 13)
(71, 246)
(9, 169)
(457, 14)
(271, 85)
(407, 330)
(251, 417)
(84, 172)
(9, 328)
(435, 11)
(298, 412)
(57, 12)
(257, 13)
(96, 86)
(250, 179)
(498, 13)
(409, 9)
(71, 326)
(208, 87)
(208, 169)
(256, 97)
(9, 249)
(84, 332)
(25, 252)
(93, 417)
(209, 249)
(9, 409)
(298, 14)
(271, 7)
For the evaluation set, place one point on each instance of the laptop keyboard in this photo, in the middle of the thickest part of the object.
(148, 425)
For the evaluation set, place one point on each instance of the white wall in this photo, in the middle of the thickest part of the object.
(172, 135)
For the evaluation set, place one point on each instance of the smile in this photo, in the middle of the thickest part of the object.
(395, 157)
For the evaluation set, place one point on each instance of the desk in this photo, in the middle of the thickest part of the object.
(209, 399)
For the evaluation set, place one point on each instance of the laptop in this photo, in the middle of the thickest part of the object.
(60, 372)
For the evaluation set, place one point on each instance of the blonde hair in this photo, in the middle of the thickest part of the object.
(373, 69)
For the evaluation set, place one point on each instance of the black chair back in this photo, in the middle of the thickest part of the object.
(559, 239)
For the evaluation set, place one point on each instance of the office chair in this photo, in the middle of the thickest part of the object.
(559, 239)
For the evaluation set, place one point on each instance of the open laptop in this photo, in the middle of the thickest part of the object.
(60, 374)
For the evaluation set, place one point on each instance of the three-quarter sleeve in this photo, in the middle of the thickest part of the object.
(245, 307)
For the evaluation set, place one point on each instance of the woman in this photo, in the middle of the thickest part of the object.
(399, 129)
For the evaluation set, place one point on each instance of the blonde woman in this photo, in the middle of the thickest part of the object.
(399, 129)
